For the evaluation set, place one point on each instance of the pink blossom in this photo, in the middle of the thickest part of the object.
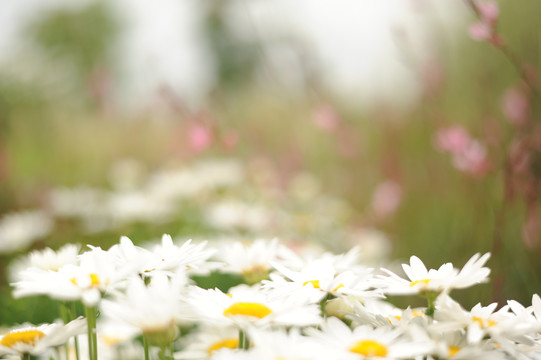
(386, 198)
(473, 159)
(485, 28)
(453, 139)
(515, 106)
(488, 11)
(200, 137)
(480, 31)
(326, 118)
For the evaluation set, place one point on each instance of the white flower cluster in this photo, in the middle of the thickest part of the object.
(290, 306)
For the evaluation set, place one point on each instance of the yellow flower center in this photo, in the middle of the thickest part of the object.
(423, 281)
(248, 309)
(453, 350)
(29, 337)
(314, 283)
(230, 343)
(483, 323)
(94, 280)
(369, 348)
(338, 287)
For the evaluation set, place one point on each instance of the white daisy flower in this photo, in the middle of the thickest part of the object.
(96, 273)
(320, 278)
(280, 344)
(481, 321)
(170, 258)
(19, 230)
(454, 345)
(207, 340)
(46, 259)
(128, 255)
(35, 340)
(155, 308)
(365, 342)
(444, 279)
(244, 306)
(252, 261)
(378, 313)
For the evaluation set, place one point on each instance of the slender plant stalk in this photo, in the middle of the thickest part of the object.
(73, 312)
(146, 347)
(510, 56)
(90, 312)
(244, 342)
(64, 314)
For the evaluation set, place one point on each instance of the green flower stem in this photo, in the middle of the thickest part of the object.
(26, 356)
(64, 314)
(90, 312)
(73, 314)
(243, 340)
(430, 297)
(146, 347)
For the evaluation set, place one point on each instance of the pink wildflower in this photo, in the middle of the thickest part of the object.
(485, 28)
(326, 118)
(515, 106)
(473, 159)
(452, 139)
(200, 137)
(386, 198)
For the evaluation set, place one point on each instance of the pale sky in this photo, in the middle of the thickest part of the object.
(355, 41)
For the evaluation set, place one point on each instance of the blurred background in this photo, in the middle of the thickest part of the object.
(396, 125)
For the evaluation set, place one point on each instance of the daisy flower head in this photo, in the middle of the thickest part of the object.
(207, 340)
(421, 280)
(95, 273)
(247, 306)
(252, 260)
(36, 340)
(279, 344)
(19, 230)
(169, 257)
(365, 342)
(155, 309)
(319, 278)
(46, 259)
(483, 322)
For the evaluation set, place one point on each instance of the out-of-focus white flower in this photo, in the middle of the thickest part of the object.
(482, 321)
(46, 259)
(237, 215)
(320, 278)
(36, 340)
(374, 246)
(282, 345)
(244, 306)
(82, 202)
(189, 182)
(207, 340)
(155, 308)
(19, 230)
(366, 342)
(252, 260)
(132, 206)
(96, 273)
(168, 257)
(444, 279)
